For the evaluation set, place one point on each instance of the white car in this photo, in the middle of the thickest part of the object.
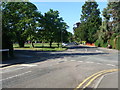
(64, 44)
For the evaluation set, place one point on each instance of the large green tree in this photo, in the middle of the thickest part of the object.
(81, 33)
(52, 27)
(90, 21)
(20, 19)
(110, 29)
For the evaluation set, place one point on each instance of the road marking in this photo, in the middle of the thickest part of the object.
(72, 60)
(99, 51)
(99, 63)
(59, 58)
(111, 65)
(80, 61)
(89, 62)
(12, 70)
(83, 56)
(65, 60)
(99, 81)
(28, 65)
(16, 75)
(91, 78)
(85, 50)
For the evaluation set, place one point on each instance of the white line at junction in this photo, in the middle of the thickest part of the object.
(80, 61)
(12, 70)
(72, 60)
(111, 65)
(16, 75)
(89, 62)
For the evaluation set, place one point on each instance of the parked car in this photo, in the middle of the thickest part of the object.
(64, 44)
(75, 43)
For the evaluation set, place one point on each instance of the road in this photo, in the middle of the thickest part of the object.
(66, 69)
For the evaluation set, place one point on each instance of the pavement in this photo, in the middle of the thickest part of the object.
(65, 69)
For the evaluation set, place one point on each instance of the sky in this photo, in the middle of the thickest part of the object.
(69, 11)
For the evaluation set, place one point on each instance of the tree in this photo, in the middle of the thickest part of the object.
(81, 33)
(52, 26)
(61, 34)
(7, 35)
(69, 37)
(113, 10)
(33, 28)
(110, 29)
(20, 18)
(90, 21)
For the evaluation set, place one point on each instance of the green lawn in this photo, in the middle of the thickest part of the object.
(40, 47)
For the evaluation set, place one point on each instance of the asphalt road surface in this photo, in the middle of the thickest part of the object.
(66, 69)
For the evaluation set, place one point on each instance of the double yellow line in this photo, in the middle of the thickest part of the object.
(85, 83)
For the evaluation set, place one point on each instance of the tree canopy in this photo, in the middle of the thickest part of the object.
(53, 27)
(19, 19)
(90, 22)
(21, 22)
(110, 30)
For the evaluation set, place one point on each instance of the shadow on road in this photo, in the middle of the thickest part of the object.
(29, 56)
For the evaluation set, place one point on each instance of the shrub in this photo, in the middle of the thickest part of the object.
(105, 45)
(112, 42)
(118, 43)
(97, 43)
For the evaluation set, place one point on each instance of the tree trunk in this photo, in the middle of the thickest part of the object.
(7, 44)
(114, 44)
(50, 44)
(115, 41)
(11, 54)
(58, 44)
(21, 43)
(32, 44)
(42, 44)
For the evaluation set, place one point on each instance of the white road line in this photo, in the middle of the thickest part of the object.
(85, 50)
(101, 78)
(111, 65)
(59, 58)
(97, 84)
(72, 60)
(28, 65)
(98, 63)
(98, 51)
(16, 75)
(80, 61)
(83, 56)
(65, 60)
(12, 70)
(89, 62)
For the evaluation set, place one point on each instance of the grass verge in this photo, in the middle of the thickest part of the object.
(42, 49)
(38, 47)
